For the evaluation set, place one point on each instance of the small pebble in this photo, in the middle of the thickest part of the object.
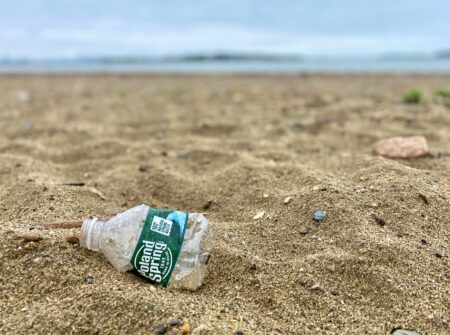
(439, 255)
(287, 200)
(424, 198)
(174, 323)
(181, 154)
(72, 239)
(207, 204)
(160, 329)
(319, 215)
(404, 332)
(380, 221)
(304, 231)
(143, 167)
(402, 147)
(185, 329)
(31, 237)
(24, 309)
(89, 280)
(317, 287)
(258, 216)
(265, 195)
(239, 332)
(334, 292)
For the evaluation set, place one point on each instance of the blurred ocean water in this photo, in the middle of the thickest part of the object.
(435, 66)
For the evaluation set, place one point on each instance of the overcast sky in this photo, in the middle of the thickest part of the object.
(68, 28)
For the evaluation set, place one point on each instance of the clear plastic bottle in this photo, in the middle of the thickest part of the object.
(117, 239)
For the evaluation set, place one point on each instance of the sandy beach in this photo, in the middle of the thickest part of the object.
(76, 146)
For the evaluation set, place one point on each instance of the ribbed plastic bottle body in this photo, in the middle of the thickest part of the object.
(117, 239)
(190, 268)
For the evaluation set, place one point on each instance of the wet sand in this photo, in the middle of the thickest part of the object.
(180, 141)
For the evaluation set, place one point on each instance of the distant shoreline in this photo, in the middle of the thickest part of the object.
(223, 57)
(230, 65)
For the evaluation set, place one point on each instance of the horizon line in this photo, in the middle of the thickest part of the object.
(223, 56)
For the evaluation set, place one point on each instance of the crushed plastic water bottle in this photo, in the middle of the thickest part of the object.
(167, 247)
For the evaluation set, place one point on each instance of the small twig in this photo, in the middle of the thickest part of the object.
(63, 224)
(77, 183)
(95, 191)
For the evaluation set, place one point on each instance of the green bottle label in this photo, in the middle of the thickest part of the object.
(160, 244)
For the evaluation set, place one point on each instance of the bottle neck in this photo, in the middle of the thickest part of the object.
(90, 234)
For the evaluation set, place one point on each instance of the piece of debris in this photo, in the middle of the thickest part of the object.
(258, 216)
(317, 287)
(63, 224)
(185, 329)
(75, 183)
(72, 239)
(424, 198)
(400, 331)
(97, 192)
(380, 221)
(402, 147)
(287, 200)
(89, 279)
(124, 230)
(439, 255)
(160, 329)
(31, 237)
(207, 205)
(319, 215)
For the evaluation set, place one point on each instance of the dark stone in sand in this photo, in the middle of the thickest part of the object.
(160, 329)
(174, 323)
